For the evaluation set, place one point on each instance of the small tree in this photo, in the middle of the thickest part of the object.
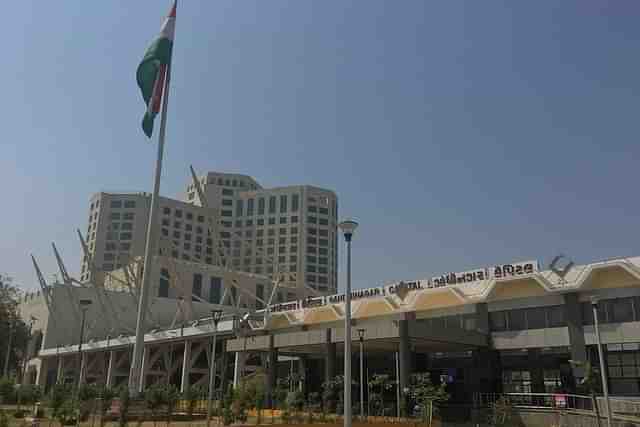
(87, 393)
(7, 390)
(295, 403)
(378, 385)
(425, 394)
(171, 396)
(125, 403)
(227, 412)
(59, 394)
(154, 398)
(106, 397)
(329, 395)
(192, 395)
(501, 414)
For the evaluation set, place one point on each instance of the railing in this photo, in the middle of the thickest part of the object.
(620, 408)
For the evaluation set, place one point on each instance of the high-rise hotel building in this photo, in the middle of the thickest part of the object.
(117, 229)
(288, 233)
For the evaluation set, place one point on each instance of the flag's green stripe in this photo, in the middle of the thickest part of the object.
(147, 123)
(158, 53)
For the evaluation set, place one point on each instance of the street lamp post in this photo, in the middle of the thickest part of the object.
(347, 227)
(84, 306)
(5, 371)
(361, 336)
(216, 315)
(603, 373)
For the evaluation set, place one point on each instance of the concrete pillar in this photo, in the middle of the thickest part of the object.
(404, 354)
(186, 367)
(111, 362)
(41, 374)
(238, 369)
(272, 365)
(482, 318)
(329, 358)
(535, 370)
(577, 345)
(60, 370)
(144, 369)
(302, 372)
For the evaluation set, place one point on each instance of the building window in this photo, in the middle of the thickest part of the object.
(312, 240)
(623, 364)
(127, 226)
(197, 285)
(294, 219)
(176, 234)
(294, 240)
(125, 246)
(323, 211)
(115, 216)
(125, 236)
(261, 206)
(620, 310)
(294, 230)
(283, 220)
(128, 216)
(250, 207)
(272, 204)
(130, 204)
(555, 317)
(260, 221)
(200, 218)
(188, 227)
(498, 321)
(163, 288)
(226, 212)
(239, 207)
(115, 204)
(295, 202)
(272, 221)
(312, 209)
(260, 295)
(323, 242)
(227, 192)
(312, 219)
(516, 381)
(323, 221)
(283, 203)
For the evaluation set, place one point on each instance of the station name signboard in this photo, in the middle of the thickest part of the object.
(450, 279)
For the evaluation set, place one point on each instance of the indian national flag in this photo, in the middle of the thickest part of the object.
(152, 71)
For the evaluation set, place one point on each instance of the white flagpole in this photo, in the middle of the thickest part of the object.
(149, 250)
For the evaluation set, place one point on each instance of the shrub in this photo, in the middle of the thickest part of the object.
(227, 412)
(192, 395)
(7, 390)
(59, 395)
(67, 413)
(4, 420)
(125, 402)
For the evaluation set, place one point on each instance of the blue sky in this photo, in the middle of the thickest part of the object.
(460, 134)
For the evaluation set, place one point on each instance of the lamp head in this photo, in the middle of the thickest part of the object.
(361, 333)
(85, 303)
(348, 227)
(594, 300)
